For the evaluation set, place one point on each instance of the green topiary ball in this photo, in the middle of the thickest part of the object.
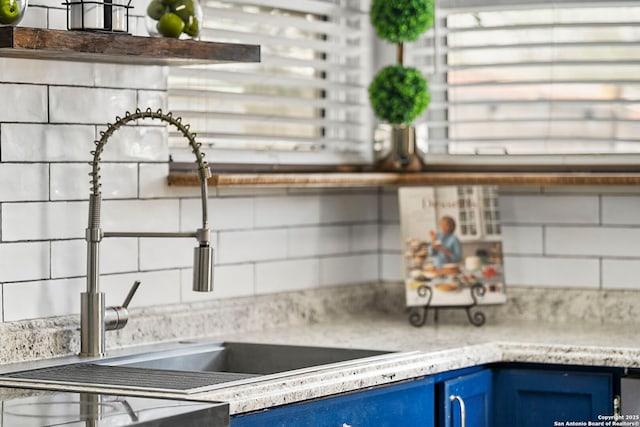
(398, 94)
(401, 20)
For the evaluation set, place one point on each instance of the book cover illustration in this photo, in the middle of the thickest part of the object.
(452, 245)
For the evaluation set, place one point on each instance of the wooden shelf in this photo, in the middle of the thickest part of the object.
(376, 179)
(36, 43)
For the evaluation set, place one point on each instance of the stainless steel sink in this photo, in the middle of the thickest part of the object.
(190, 368)
(244, 358)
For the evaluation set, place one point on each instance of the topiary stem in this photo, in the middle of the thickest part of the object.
(400, 53)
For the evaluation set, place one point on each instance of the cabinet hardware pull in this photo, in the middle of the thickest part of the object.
(463, 411)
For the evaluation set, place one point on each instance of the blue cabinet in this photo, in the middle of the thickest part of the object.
(408, 404)
(534, 398)
(500, 396)
(473, 392)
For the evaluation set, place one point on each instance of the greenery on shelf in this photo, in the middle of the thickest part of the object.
(398, 94)
(401, 20)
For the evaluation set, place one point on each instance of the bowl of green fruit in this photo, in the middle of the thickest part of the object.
(173, 18)
(12, 12)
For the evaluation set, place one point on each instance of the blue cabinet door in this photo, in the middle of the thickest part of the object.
(474, 391)
(534, 398)
(408, 404)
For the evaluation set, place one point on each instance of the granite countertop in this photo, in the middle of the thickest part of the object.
(422, 351)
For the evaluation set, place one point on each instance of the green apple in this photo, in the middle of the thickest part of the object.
(192, 28)
(184, 9)
(9, 11)
(170, 25)
(155, 9)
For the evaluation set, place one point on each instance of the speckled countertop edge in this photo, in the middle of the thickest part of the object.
(422, 352)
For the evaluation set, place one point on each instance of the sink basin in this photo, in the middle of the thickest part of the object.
(191, 368)
(243, 358)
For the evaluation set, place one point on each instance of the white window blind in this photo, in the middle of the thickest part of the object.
(532, 78)
(305, 103)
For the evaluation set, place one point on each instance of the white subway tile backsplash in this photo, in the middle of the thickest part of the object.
(153, 183)
(391, 267)
(131, 76)
(224, 213)
(24, 261)
(69, 257)
(136, 143)
(391, 237)
(23, 182)
(118, 255)
(547, 209)
(43, 220)
(166, 253)
(286, 211)
(34, 71)
(229, 281)
(32, 105)
(157, 288)
(70, 181)
(593, 241)
(353, 269)
(32, 300)
(285, 276)
(89, 105)
(252, 245)
(390, 207)
(552, 272)
(156, 100)
(621, 274)
(348, 208)
(140, 215)
(522, 239)
(621, 210)
(313, 241)
(28, 142)
(364, 238)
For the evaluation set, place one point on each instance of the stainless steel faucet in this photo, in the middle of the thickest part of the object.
(95, 318)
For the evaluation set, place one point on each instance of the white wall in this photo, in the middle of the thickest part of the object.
(572, 237)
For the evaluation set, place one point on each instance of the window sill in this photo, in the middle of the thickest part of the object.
(377, 179)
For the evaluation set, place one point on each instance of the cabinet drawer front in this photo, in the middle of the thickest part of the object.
(408, 405)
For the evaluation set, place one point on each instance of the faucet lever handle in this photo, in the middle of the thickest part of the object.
(117, 317)
(132, 292)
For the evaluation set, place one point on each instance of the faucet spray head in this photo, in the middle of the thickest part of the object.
(203, 263)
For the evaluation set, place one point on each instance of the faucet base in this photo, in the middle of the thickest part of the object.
(92, 338)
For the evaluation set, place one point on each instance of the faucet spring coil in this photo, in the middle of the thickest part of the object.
(139, 114)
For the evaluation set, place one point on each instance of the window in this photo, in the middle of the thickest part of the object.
(306, 102)
(522, 79)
